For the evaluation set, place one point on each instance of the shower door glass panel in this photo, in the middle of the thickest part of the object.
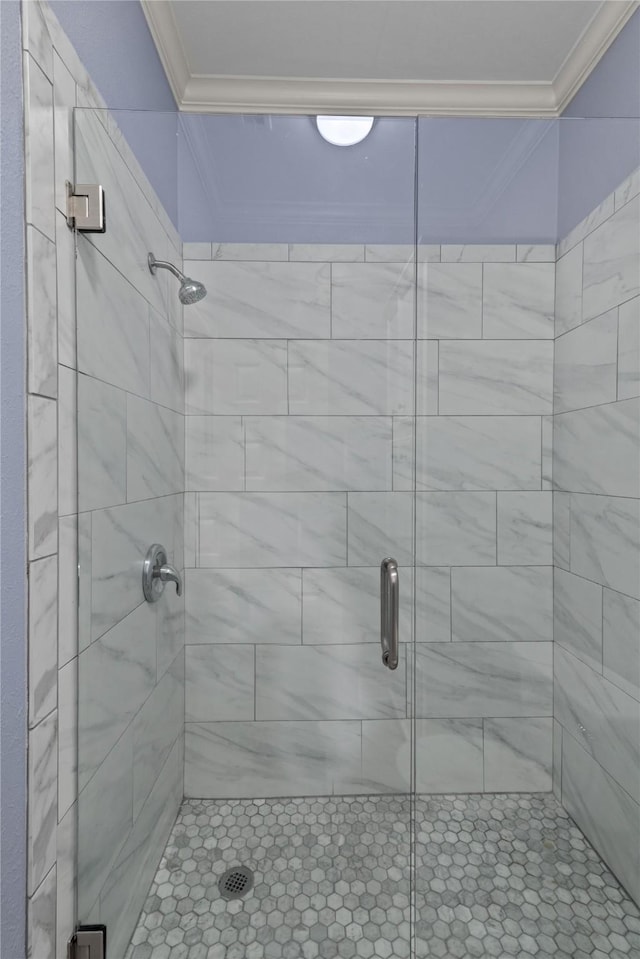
(264, 436)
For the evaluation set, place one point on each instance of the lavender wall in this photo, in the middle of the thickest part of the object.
(13, 689)
(597, 154)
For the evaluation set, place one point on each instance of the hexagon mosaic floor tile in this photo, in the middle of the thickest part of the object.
(495, 876)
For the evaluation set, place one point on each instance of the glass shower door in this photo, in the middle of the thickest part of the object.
(245, 766)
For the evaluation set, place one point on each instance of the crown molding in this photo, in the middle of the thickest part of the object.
(302, 95)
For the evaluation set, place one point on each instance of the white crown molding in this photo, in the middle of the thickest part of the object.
(301, 95)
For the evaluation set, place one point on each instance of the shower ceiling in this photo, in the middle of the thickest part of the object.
(386, 56)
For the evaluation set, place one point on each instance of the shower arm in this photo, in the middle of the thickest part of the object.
(164, 265)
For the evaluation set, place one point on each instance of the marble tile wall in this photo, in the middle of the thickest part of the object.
(596, 480)
(300, 467)
(110, 495)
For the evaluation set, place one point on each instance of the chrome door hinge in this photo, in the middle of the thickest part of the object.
(88, 942)
(85, 207)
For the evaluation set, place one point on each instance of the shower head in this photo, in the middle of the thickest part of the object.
(191, 291)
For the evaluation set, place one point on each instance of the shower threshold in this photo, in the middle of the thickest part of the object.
(505, 875)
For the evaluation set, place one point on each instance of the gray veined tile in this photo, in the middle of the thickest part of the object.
(166, 367)
(484, 679)
(68, 442)
(260, 300)
(536, 253)
(327, 682)
(511, 604)
(270, 758)
(350, 377)
(629, 349)
(621, 641)
(214, 453)
(43, 637)
(42, 477)
(577, 607)
(39, 166)
(450, 301)
(568, 297)
(156, 729)
(67, 588)
(597, 450)
(235, 376)
(455, 529)
(326, 252)
(102, 444)
(391, 252)
(467, 453)
(428, 384)
(43, 806)
(155, 450)
(561, 529)
(557, 760)
(41, 910)
(64, 101)
(612, 261)
(478, 253)
(518, 754)
(448, 755)
(628, 189)
(318, 453)
(379, 525)
(195, 251)
(341, 605)
(36, 38)
(525, 528)
(249, 251)
(67, 737)
(243, 606)
(605, 541)
(518, 300)
(547, 452)
(386, 757)
(41, 314)
(272, 529)
(590, 223)
(66, 287)
(603, 718)
(219, 683)
(496, 377)
(585, 364)
(372, 301)
(433, 604)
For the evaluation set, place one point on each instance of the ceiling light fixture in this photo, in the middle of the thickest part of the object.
(344, 131)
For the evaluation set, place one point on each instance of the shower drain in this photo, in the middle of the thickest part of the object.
(235, 882)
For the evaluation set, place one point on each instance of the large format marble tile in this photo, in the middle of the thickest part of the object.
(496, 377)
(43, 634)
(102, 444)
(41, 912)
(350, 377)
(536, 253)
(518, 300)
(525, 528)
(260, 300)
(318, 453)
(585, 364)
(547, 452)
(372, 301)
(484, 679)
(219, 683)
(113, 324)
(272, 529)
(510, 604)
(568, 300)
(156, 728)
(64, 101)
(629, 188)
(386, 757)
(597, 450)
(67, 441)
(605, 813)
(42, 475)
(478, 253)
(341, 605)
(270, 758)
(450, 301)
(427, 382)
(38, 156)
(629, 349)
(380, 525)
(214, 451)
(243, 606)
(518, 754)
(116, 673)
(41, 314)
(433, 604)
(67, 588)
(586, 226)
(105, 816)
(612, 261)
(577, 611)
(67, 737)
(561, 529)
(605, 541)
(448, 755)
(621, 641)
(455, 529)
(166, 366)
(248, 251)
(66, 288)
(467, 452)
(155, 450)
(603, 718)
(326, 252)
(36, 38)
(43, 795)
(235, 376)
(327, 682)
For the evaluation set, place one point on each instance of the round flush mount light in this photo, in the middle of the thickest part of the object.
(344, 131)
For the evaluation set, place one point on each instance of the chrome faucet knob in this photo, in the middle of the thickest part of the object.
(156, 572)
(169, 575)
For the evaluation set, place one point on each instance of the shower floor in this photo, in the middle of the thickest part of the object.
(496, 876)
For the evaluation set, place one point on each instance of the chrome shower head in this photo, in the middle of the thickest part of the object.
(191, 291)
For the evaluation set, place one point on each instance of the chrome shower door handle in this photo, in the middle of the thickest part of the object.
(389, 611)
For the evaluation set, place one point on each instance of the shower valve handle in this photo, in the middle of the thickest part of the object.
(156, 572)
